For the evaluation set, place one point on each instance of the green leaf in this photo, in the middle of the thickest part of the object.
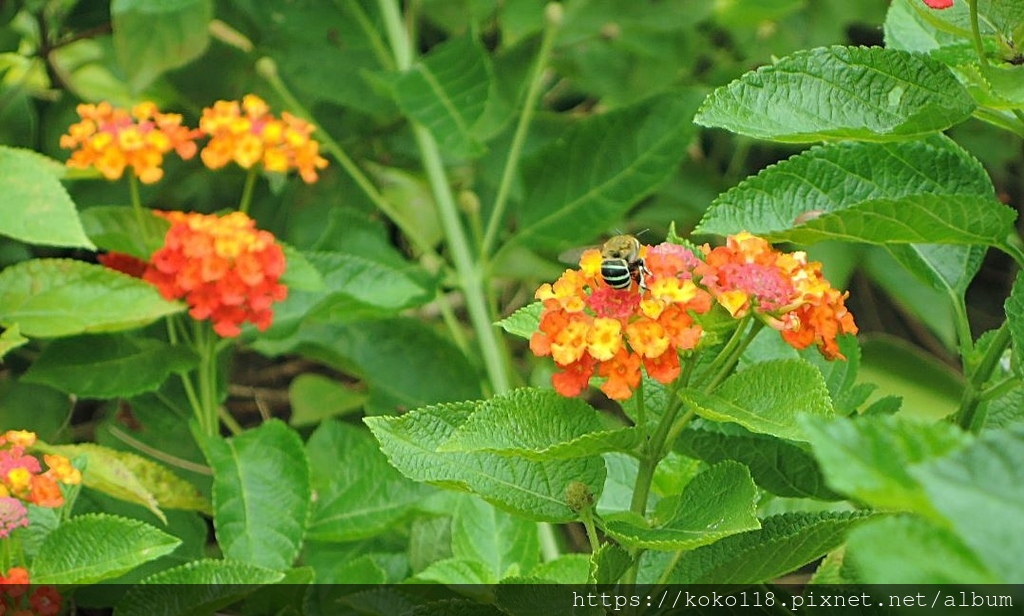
(89, 548)
(117, 228)
(447, 92)
(609, 563)
(11, 339)
(719, 502)
(359, 494)
(154, 36)
(300, 274)
(930, 389)
(538, 424)
(198, 587)
(783, 544)
(868, 458)
(908, 550)
(566, 569)
(776, 465)
(837, 176)
(35, 208)
(456, 571)
(933, 219)
(108, 365)
(1014, 307)
(535, 490)
(261, 494)
(604, 165)
(523, 322)
(978, 490)
(893, 95)
(132, 478)
(315, 397)
(50, 298)
(505, 544)
(767, 398)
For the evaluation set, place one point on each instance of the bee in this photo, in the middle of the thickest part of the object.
(620, 262)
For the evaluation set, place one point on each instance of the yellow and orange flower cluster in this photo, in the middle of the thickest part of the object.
(22, 479)
(249, 134)
(587, 326)
(14, 590)
(782, 289)
(225, 268)
(112, 139)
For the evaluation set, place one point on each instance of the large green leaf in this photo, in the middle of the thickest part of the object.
(506, 544)
(868, 458)
(539, 424)
(359, 494)
(315, 397)
(889, 95)
(117, 228)
(198, 587)
(154, 36)
(108, 365)
(50, 298)
(767, 398)
(89, 548)
(783, 544)
(587, 180)
(447, 92)
(11, 339)
(35, 207)
(536, 490)
(978, 489)
(718, 502)
(261, 494)
(837, 176)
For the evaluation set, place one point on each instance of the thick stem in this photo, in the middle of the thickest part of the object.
(979, 47)
(973, 392)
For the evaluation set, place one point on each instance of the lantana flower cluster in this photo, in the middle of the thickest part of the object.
(226, 269)
(588, 327)
(112, 139)
(22, 480)
(16, 600)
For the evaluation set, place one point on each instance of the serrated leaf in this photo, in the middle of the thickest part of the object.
(505, 544)
(538, 424)
(447, 91)
(719, 502)
(766, 398)
(908, 550)
(198, 587)
(603, 166)
(300, 274)
(982, 482)
(868, 458)
(117, 228)
(11, 339)
(51, 298)
(898, 95)
(783, 544)
(523, 322)
(460, 571)
(776, 465)
(535, 490)
(566, 569)
(609, 563)
(154, 36)
(837, 176)
(261, 494)
(315, 397)
(359, 494)
(89, 548)
(36, 209)
(108, 365)
(134, 479)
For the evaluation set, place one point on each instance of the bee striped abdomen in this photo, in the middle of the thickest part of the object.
(617, 273)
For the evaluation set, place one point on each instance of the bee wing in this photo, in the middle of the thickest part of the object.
(572, 256)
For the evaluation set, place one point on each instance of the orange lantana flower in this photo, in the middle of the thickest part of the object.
(112, 139)
(249, 135)
(225, 268)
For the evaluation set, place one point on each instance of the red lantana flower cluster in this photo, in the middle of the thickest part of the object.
(225, 268)
(22, 480)
(111, 139)
(588, 327)
(939, 4)
(14, 591)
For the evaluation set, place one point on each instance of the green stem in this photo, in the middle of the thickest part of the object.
(186, 380)
(380, 50)
(250, 183)
(962, 324)
(552, 22)
(973, 392)
(997, 389)
(1014, 246)
(587, 517)
(979, 47)
(205, 342)
(548, 542)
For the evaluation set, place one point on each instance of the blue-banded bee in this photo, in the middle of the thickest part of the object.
(620, 262)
